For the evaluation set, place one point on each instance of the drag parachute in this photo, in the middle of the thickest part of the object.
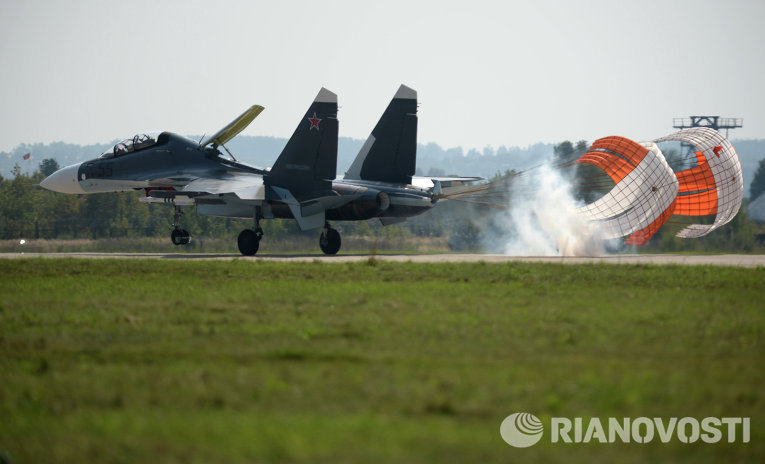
(714, 186)
(647, 192)
(645, 186)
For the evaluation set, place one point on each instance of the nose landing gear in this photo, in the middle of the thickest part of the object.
(179, 236)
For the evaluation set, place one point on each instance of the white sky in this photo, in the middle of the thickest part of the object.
(487, 72)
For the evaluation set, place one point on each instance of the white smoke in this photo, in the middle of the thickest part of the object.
(541, 219)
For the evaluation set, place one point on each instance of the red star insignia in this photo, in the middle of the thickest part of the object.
(314, 121)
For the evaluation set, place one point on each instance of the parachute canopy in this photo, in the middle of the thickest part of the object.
(647, 192)
(714, 186)
(645, 186)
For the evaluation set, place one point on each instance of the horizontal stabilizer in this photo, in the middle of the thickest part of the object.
(386, 221)
(456, 179)
(233, 128)
(306, 219)
(444, 188)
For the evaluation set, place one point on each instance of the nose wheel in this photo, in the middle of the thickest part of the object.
(329, 241)
(179, 236)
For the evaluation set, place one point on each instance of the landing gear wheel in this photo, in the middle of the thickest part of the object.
(330, 241)
(180, 237)
(249, 242)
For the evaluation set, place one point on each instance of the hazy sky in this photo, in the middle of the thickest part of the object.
(487, 72)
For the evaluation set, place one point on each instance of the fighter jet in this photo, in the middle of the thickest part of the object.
(301, 184)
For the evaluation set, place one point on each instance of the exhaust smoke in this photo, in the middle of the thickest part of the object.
(541, 219)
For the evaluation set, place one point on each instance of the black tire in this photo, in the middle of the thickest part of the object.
(248, 242)
(177, 237)
(330, 241)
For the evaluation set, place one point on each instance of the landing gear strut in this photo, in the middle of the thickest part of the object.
(179, 236)
(249, 239)
(330, 240)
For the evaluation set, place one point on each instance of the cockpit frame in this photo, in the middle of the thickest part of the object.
(130, 145)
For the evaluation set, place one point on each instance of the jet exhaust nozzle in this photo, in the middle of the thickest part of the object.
(371, 204)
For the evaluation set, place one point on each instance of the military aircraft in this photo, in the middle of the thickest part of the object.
(301, 184)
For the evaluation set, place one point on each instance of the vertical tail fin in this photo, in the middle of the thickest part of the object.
(309, 160)
(390, 152)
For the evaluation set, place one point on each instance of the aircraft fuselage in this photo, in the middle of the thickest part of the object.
(174, 161)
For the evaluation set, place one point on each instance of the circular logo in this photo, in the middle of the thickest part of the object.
(521, 429)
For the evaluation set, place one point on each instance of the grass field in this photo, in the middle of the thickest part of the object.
(247, 361)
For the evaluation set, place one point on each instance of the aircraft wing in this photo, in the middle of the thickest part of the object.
(310, 212)
(233, 128)
(244, 186)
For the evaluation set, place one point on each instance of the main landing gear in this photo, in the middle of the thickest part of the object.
(329, 241)
(179, 236)
(249, 239)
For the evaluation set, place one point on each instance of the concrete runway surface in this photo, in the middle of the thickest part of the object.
(714, 260)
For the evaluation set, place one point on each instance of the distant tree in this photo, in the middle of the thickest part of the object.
(563, 149)
(758, 183)
(18, 202)
(465, 237)
(48, 166)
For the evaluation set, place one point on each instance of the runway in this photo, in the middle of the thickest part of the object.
(750, 261)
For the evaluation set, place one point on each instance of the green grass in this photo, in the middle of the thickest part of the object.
(173, 361)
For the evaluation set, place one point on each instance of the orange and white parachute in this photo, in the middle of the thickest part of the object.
(714, 186)
(645, 186)
(648, 192)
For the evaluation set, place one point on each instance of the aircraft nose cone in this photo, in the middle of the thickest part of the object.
(64, 180)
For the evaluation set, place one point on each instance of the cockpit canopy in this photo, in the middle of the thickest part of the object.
(135, 143)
